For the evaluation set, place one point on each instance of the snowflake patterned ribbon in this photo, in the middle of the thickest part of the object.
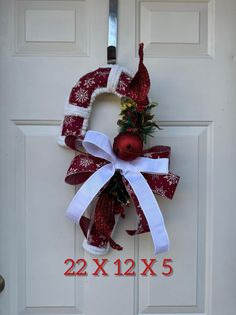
(98, 145)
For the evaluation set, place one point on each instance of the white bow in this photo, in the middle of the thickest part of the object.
(98, 145)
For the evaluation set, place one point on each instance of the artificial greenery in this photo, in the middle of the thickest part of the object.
(135, 120)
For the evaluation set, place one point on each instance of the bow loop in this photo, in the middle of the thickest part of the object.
(99, 145)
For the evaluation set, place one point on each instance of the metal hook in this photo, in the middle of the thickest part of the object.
(112, 32)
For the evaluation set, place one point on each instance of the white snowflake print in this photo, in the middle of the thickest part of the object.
(128, 79)
(69, 132)
(68, 121)
(78, 84)
(160, 191)
(122, 86)
(89, 82)
(90, 238)
(155, 177)
(81, 96)
(85, 162)
(103, 74)
(103, 244)
(98, 165)
(171, 179)
(72, 171)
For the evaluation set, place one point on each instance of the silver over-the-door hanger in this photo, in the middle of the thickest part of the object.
(112, 32)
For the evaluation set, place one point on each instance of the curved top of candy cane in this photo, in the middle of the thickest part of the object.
(113, 79)
(109, 79)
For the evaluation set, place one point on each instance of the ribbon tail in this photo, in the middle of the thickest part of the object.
(150, 209)
(88, 192)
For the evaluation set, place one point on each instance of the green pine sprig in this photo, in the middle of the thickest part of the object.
(140, 122)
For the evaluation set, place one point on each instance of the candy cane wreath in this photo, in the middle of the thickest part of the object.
(115, 174)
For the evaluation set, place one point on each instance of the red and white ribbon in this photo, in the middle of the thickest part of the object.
(98, 145)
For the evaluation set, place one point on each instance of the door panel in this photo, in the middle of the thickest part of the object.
(185, 217)
(45, 238)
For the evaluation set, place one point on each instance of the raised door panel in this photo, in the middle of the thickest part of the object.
(44, 238)
(186, 220)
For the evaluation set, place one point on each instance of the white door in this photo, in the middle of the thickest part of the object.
(46, 46)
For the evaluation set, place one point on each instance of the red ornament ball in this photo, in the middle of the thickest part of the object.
(128, 146)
